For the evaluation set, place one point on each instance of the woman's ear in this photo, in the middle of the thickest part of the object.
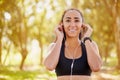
(61, 24)
(83, 30)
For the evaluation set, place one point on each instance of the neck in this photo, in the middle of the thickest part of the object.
(72, 42)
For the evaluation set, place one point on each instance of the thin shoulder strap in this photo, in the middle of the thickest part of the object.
(62, 48)
(83, 49)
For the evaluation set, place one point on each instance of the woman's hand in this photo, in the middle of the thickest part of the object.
(59, 32)
(87, 30)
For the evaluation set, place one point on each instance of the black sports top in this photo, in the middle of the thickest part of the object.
(80, 66)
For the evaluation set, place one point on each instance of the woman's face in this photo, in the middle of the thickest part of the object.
(72, 22)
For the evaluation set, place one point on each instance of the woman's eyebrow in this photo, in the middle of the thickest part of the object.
(76, 18)
(68, 17)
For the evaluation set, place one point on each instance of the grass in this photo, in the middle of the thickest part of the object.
(40, 73)
(8, 73)
(13, 73)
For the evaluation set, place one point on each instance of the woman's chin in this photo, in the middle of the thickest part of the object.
(72, 36)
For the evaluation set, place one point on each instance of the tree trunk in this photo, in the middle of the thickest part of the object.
(0, 50)
(118, 52)
(24, 55)
(117, 40)
(8, 51)
(23, 45)
(0, 45)
(41, 54)
(23, 42)
(106, 54)
(1, 31)
(114, 11)
(117, 29)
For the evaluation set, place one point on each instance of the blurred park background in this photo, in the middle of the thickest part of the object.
(26, 30)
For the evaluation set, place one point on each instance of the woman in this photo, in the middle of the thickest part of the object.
(73, 55)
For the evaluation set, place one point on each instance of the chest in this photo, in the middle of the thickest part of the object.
(80, 65)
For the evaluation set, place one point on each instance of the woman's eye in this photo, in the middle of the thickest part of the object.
(67, 20)
(77, 21)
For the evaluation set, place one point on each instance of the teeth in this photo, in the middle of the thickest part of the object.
(72, 30)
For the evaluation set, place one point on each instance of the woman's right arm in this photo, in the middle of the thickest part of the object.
(51, 60)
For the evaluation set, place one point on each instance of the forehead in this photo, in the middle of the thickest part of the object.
(72, 13)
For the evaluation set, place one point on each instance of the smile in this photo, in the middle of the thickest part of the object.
(72, 30)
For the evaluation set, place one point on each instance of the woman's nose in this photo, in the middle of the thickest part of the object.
(72, 24)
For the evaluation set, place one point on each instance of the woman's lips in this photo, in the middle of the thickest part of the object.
(72, 30)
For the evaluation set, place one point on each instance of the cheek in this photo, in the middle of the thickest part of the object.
(80, 24)
(65, 29)
(66, 24)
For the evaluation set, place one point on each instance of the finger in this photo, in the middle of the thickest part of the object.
(60, 27)
(84, 26)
